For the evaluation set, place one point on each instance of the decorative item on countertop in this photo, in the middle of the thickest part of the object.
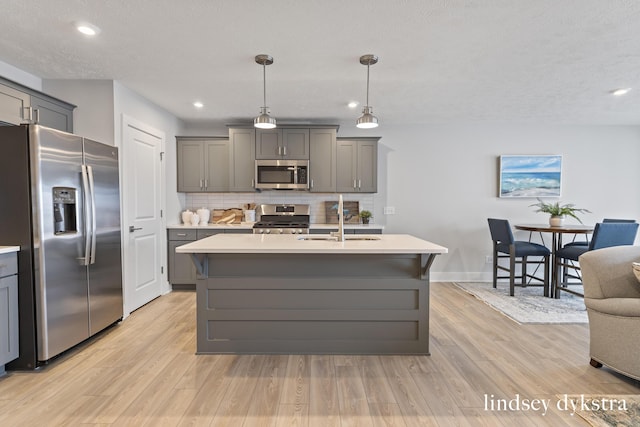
(195, 219)
(186, 217)
(365, 215)
(558, 212)
(227, 216)
(204, 215)
(351, 210)
(249, 212)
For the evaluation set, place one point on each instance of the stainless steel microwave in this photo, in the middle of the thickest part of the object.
(282, 174)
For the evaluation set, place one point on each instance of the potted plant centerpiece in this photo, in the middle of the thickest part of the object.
(365, 215)
(557, 212)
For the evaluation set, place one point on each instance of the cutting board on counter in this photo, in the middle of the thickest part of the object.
(351, 211)
(226, 216)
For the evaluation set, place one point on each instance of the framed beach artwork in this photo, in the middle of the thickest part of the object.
(530, 175)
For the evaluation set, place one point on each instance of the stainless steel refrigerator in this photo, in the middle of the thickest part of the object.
(61, 204)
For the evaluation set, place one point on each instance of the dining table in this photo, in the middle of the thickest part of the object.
(556, 243)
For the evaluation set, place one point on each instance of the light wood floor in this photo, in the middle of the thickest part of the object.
(144, 372)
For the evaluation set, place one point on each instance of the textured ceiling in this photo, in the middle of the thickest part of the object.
(441, 61)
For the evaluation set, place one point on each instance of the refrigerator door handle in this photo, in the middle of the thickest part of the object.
(93, 214)
(87, 237)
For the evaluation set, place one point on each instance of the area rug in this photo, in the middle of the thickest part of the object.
(529, 305)
(604, 411)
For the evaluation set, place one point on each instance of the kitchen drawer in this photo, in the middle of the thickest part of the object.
(8, 264)
(188, 235)
(367, 231)
(206, 233)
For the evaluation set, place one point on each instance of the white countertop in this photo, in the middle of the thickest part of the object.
(290, 243)
(9, 249)
(249, 225)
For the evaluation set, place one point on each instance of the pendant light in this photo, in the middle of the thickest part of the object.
(367, 120)
(264, 120)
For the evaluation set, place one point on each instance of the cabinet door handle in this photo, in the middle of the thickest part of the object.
(27, 114)
(284, 150)
(201, 186)
(359, 183)
(253, 182)
(181, 234)
(36, 120)
(354, 184)
(206, 183)
(311, 184)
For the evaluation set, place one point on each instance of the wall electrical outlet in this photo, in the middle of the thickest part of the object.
(389, 210)
(488, 259)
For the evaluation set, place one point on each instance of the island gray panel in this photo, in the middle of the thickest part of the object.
(314, 303)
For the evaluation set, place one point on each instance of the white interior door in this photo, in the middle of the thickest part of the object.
(143, 223)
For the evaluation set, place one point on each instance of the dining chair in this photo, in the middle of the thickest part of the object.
(586, 241)
(518, 252)
(605, 234)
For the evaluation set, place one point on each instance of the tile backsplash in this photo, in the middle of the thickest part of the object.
(237, 200)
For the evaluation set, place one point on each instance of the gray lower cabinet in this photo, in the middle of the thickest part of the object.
(322, 160)
(346, 231)
(8, 309)
(203, 164)
(181, 268)
(357, 165)
(20, 104)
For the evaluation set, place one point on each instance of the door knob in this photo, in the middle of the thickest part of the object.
(132, 228)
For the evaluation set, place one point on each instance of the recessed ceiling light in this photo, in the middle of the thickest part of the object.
(198, 104)
(353, 104)
(87, 28)
(620, 92)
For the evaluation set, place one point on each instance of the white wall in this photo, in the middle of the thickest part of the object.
(443, 182)
(93, 116)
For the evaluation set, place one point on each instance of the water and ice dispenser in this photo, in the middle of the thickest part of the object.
(64, 210)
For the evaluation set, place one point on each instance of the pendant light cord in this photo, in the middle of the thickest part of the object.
(264, 86)
(367, 85)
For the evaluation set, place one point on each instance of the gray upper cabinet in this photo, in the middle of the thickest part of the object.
(203, 164)
(322, 160)
(242, 155)
(357, 165)
(13, 105)
(19, 104)
(282, 143)
(52, 114)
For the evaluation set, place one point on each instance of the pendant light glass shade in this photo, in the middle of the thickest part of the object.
(367, 120)
(264, 120)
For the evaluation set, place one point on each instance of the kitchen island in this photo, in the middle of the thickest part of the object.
(310, 294)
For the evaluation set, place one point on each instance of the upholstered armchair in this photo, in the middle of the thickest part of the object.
(612, 297)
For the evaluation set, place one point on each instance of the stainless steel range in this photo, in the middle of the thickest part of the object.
(282, 219)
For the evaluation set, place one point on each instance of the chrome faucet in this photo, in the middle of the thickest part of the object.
(339, 235)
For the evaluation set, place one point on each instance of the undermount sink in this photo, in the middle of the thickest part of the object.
(332, 238)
